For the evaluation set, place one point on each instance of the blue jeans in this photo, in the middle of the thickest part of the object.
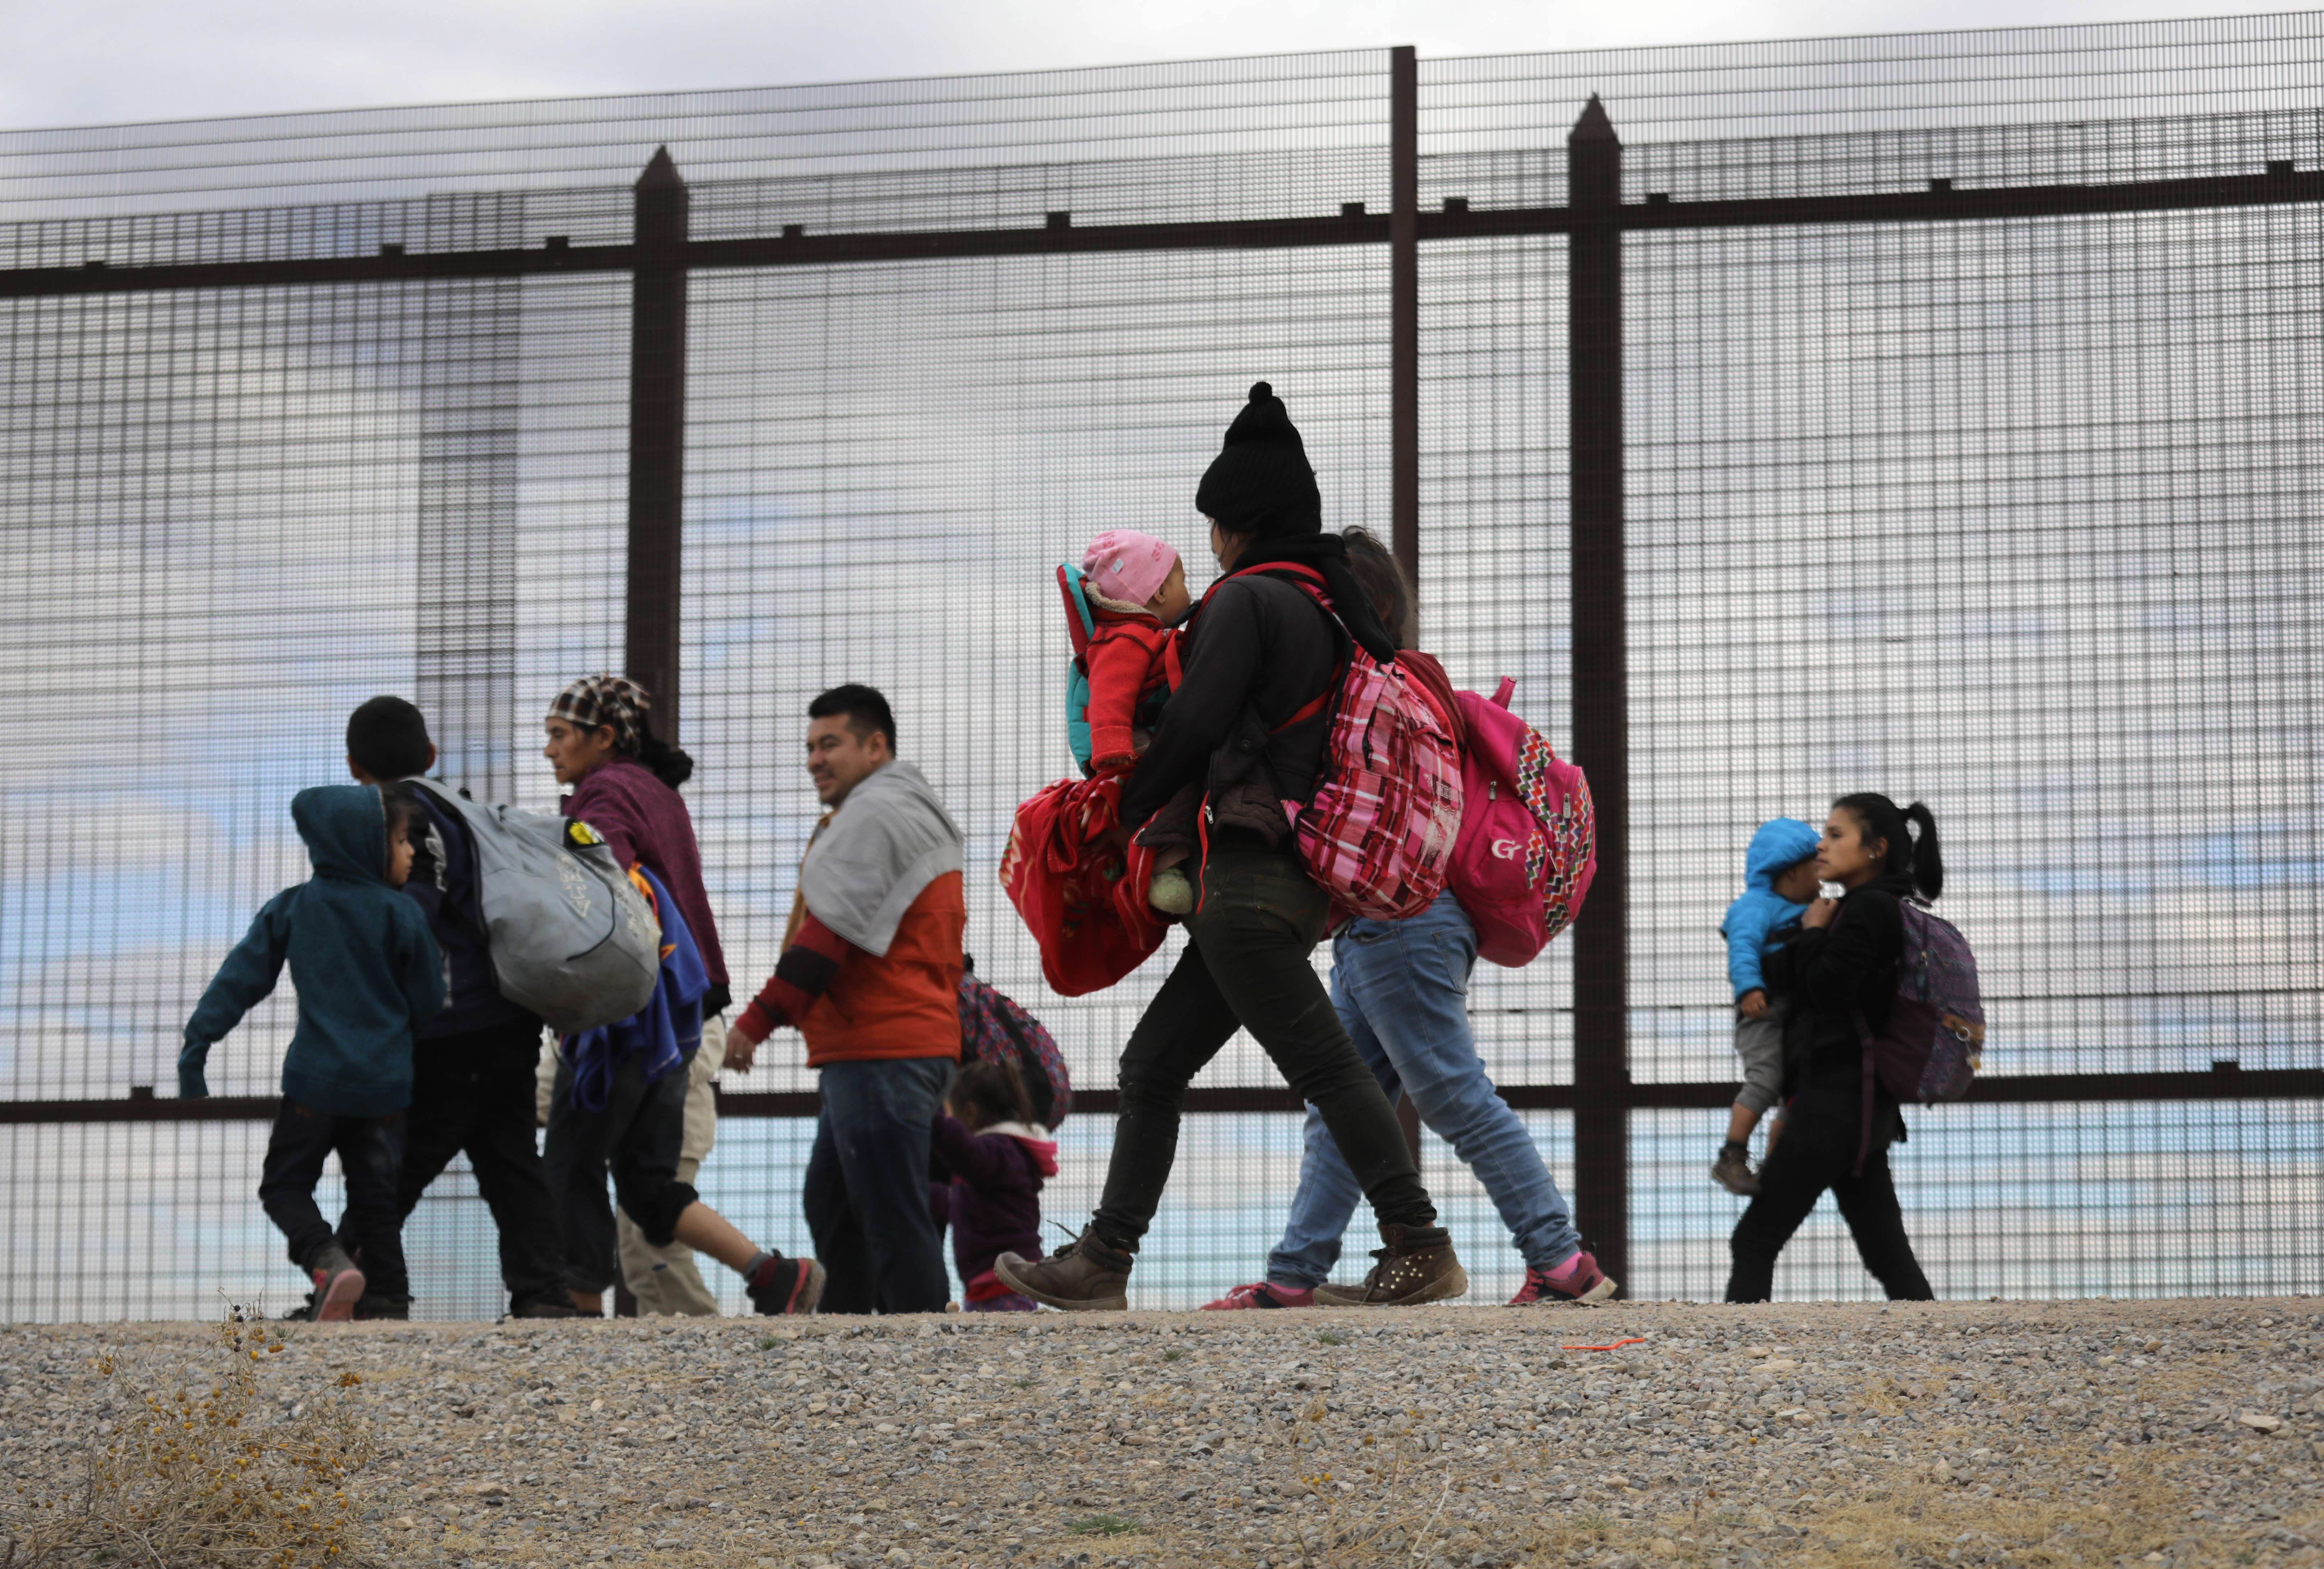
(1402, 989)
(866, 1193)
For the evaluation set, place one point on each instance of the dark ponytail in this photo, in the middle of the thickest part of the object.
(1915, 853)
(1928, 861)
(668, 763)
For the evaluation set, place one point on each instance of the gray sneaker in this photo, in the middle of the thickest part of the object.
(338, 1284)
(1732, 1171)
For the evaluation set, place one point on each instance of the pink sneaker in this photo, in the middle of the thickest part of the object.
(1263, 1294)
(1578, 1279)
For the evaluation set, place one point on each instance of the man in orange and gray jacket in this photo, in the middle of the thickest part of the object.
(869, 974)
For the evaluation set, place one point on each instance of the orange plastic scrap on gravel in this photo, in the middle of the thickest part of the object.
(1617, 1345)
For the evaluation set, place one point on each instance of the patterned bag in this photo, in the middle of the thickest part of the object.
(1377, 836)
(1528, 845)
(1933, 1042)
(994, 1028)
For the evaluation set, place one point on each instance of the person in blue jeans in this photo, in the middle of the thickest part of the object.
(1402, 990)
(870, 977)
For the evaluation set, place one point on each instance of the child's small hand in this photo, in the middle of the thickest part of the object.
(1752, 1005)
(1820, 914)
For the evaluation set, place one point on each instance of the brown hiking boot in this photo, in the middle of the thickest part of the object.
(1088, 1276)
(1417, 1266)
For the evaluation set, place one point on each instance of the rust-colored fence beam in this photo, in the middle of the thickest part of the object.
(801, 249)
(2222, 1081)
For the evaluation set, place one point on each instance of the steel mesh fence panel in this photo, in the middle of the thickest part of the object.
(1969, 452)
(2027, 1201)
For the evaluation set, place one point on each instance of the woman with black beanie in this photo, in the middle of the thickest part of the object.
(1840, 968)
(1247, 728)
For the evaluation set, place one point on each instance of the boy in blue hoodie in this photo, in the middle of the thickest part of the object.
(1779, 883)
(369, 976)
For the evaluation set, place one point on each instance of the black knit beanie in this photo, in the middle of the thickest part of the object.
(1260, 483)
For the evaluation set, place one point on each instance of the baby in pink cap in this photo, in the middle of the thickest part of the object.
(1135, 588)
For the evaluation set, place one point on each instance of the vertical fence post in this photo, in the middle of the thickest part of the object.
(657, 437)
(1404, 310)
(657, 460)
(1601, 721)
(1404, 363)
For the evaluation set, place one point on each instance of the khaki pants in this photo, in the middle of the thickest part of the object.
(664, 1280)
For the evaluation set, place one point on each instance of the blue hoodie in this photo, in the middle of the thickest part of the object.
(368, 973)
(1760, 912)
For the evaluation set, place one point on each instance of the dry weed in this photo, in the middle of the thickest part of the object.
(1379, 1507)
(203, 1480)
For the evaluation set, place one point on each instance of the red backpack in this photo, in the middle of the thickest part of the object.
(1083, 901)
(1528, 843)
(1378, 835)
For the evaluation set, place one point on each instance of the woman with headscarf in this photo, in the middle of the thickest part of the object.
(620, 1092)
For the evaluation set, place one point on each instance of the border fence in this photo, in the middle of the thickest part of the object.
(1939, 414)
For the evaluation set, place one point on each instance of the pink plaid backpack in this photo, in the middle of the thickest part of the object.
(1378, 835)
(1528, 844)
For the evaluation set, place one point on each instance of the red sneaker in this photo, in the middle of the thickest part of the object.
(1262, 1294)
(1578, 1279)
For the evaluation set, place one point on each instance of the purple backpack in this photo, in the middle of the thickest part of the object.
(1930, 1046)
(994, 1028)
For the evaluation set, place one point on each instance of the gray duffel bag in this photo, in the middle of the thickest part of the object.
(570, 936)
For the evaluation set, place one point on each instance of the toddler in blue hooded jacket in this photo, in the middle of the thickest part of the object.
(369, 977)
(1779, 882)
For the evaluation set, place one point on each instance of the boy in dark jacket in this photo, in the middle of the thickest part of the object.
(369, 976)
(474, 1062)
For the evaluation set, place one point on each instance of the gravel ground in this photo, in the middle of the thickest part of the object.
(2056, 1433)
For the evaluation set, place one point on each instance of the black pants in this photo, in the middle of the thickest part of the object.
(1260, 916)
(1816, 1152)
(371, 1154)
(474, 1094)
(639, 1134)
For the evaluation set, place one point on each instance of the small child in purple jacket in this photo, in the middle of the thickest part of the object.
(989, 1161)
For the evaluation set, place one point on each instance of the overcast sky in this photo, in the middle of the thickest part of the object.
(102, 61)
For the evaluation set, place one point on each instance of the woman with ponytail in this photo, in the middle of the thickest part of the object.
(1842, 965)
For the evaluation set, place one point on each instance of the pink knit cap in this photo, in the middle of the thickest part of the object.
(1126, 566)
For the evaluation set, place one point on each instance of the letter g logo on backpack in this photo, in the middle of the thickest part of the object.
(1504, 849)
